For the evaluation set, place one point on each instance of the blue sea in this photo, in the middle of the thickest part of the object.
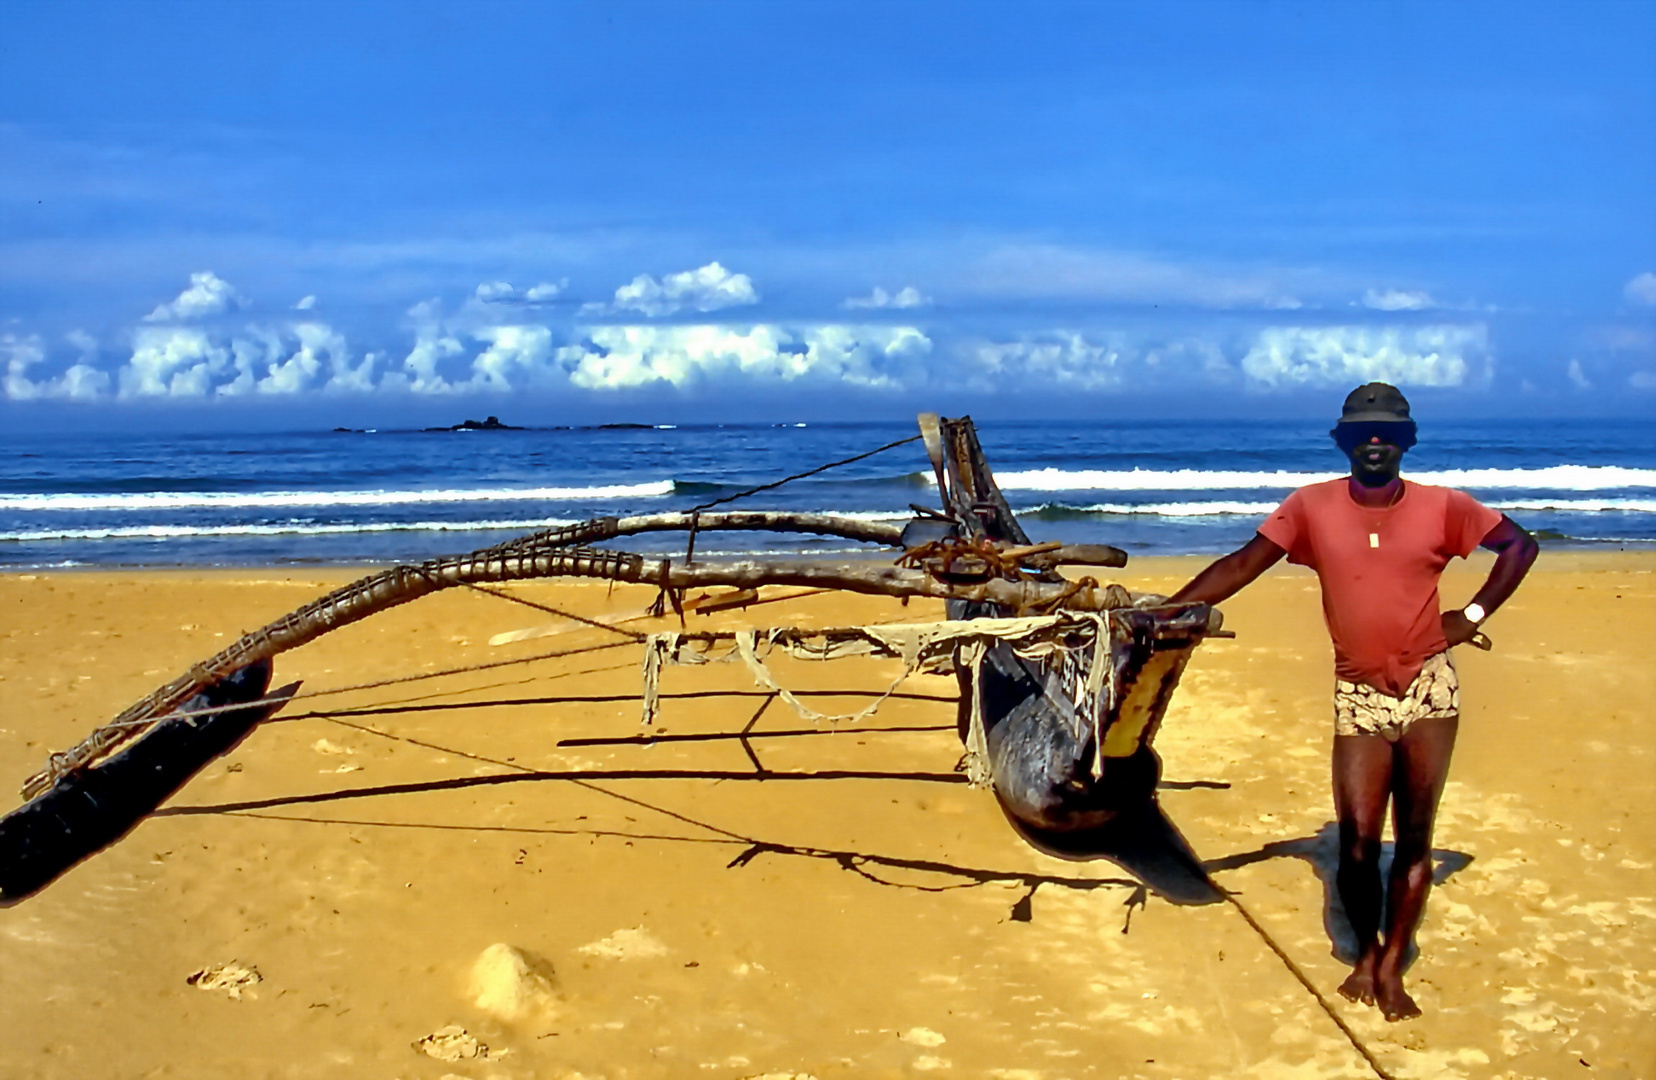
(335, 497)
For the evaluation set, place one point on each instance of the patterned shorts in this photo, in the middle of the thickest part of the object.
(1363, 710)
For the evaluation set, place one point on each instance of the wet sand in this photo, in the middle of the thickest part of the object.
(805, 899)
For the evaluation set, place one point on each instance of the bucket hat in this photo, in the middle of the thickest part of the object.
(1376, 402)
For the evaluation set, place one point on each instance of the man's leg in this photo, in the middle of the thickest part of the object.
(1362, 782)
(1421, 764)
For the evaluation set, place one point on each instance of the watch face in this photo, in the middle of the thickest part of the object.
(1474, 612)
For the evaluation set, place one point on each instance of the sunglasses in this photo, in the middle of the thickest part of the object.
(1398, 433)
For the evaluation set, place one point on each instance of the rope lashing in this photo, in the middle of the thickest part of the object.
(803, 475)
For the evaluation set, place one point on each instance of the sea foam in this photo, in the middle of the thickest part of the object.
(201, 500)
(1553, 477)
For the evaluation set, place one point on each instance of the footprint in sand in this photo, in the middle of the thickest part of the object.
(452, 1043)
(232, 979)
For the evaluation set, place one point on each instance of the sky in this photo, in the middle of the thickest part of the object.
(360, 213)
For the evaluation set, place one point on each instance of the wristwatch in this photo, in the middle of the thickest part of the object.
(1474, 613)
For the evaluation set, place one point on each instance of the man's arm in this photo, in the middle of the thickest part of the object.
(1515, 549)
(1227, 576)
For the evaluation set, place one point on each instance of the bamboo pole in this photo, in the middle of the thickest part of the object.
(512, 562)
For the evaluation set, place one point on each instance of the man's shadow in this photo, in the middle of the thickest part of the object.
(1322, 851)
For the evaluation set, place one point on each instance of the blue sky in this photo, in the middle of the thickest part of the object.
(351, 211)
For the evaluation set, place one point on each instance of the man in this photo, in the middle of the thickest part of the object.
(1378, 546)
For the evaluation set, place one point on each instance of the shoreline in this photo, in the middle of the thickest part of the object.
(364, 849)
(1157, 564)
(1549, 549)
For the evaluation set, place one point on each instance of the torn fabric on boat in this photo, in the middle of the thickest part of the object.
(1075, 648)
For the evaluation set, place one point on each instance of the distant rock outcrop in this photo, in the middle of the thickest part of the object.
(491, 424)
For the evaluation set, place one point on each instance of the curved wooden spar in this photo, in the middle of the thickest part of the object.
(540, 557)
(872, 532)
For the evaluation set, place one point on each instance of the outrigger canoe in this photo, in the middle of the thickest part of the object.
(1063, 681)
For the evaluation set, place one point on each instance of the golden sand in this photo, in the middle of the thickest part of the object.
(479, 876)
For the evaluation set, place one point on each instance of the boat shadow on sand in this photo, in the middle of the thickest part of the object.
(1140, 839)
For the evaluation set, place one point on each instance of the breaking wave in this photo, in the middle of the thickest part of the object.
(218, 500)
(294, 528)
(1222, 508)
(1553, 477)
(305, 528)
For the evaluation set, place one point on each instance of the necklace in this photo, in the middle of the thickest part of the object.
(1374, 537)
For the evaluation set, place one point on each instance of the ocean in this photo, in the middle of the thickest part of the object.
(375, 497)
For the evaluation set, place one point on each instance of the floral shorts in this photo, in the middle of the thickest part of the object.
(1363, 710)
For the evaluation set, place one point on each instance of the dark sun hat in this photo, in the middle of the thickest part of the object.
(1376, 402)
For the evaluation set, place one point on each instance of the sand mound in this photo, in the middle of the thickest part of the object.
(510, 984)
(633, 943)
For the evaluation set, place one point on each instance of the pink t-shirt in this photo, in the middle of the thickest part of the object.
(1379, 570)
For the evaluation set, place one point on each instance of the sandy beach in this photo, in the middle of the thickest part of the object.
(807, 899)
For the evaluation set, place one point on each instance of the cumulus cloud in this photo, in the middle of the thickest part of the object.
(906, 297)
(1577, 376)
(516, 357)
(1642, 289)
(305, 303)
(81, 382)
(433, 344)
(707, 288)
(618, 357)
(1092, 361)
(202, 363)
(84, 343)
(207, 295)
(1336, 355)
(322, 361)
(173, 362)
(1062, 357)
(503, 292)
(1398, 300)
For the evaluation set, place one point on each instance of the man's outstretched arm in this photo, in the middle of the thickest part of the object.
(1227, 576)
(1515, 550)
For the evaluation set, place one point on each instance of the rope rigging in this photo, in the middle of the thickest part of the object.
(696, 511)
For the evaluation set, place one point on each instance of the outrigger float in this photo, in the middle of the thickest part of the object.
(1063, 681)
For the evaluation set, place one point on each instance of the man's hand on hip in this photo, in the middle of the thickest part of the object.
(1457, 628)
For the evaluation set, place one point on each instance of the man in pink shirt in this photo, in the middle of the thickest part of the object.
(1378, 546)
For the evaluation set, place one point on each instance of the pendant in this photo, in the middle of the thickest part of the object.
(1374, 540)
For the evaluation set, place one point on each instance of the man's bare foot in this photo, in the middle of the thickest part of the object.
(1394, 1001)
(1359, 985)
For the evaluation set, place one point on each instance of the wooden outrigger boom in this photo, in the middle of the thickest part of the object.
(1063, 742)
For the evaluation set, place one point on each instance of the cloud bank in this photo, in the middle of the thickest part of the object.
(209, 343)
